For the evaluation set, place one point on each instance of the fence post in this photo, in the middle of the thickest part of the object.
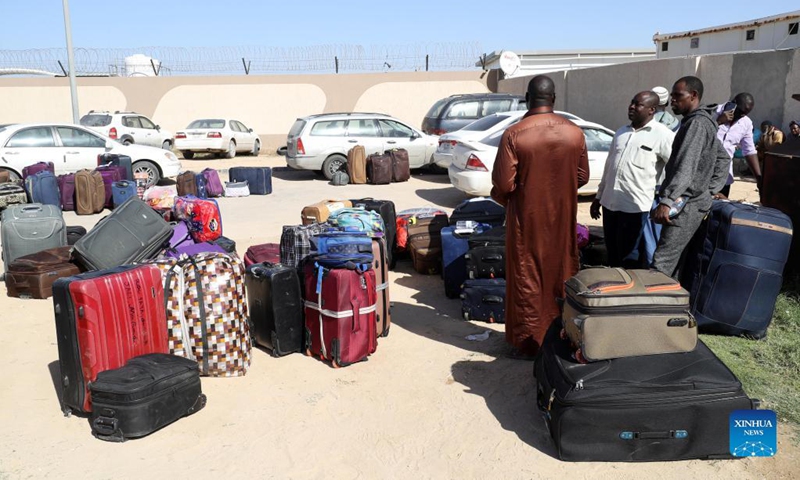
(427, 57)
(246, 67)
(155, 70)
(336, 62)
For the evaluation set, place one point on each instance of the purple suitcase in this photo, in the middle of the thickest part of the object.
(111, 174)
(66, 185)
(190, 249)
(214, 186)
(36, 168)
(180, 235)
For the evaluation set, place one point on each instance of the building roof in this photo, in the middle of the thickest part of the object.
(731, 26)
(586, 52)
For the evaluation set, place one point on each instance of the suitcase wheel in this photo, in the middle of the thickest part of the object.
(491, 319)
(67, 412)
(386, 332)
(335, 364)
(579, 357)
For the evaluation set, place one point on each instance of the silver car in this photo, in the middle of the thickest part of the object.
(321, 142)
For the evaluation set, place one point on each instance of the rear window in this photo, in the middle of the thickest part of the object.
(436, 109)
(597, 140)
(330, 128)
(207, 123)
(94, 120)
(493, 140)
(496, 105)
(485, 123)
(297, 128)
(468, 109)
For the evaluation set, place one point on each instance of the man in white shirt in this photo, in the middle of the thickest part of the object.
(633, 168)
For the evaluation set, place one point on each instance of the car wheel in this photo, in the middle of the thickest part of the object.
(333, 164)
(231, 150)
(187, 154)
(12, 175)
(166, 145)
(256, 149)
(127, 141)
(148, 167)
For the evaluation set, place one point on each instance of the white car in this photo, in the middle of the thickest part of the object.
(128, 128)
(471, 170)
(219, 136)
(72, 148)
(478, 129)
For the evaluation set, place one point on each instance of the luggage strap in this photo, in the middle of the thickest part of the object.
(381, 286)
(340, 313)
(182, 314)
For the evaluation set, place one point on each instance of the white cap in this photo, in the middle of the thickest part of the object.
(663, 95)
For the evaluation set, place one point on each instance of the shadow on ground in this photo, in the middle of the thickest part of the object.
(55, 376)
(292, 175)
(441, 197)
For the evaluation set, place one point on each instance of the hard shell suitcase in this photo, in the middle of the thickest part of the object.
(110, 174)
(214, 186)
(320, 211)
(90, 192)
(187, 184)
(131, 233)
(383, 312)
(484, 299)
(379, 169)
(297, 242)
(738, 268)
(425, 243)
(357, 164)
(339, 314)
(667, 407)
(259, 179)
(103, 319)
(66, 189)
(387, 211)
(115, 159)
(614, 313)
(454, 262)
(30, 228)
(42, 188)
(276, 307)
(121, 191)
(12, 194)
(481, 210)
(31, 170)
(202, 216)
(266, 252)
(148, 393)
(32, 276)
(401, 170)
(200, 181)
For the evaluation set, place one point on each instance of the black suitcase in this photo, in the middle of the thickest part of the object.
(486, 255)
(226, 243)
(276, 307)
(386, 210)
(674, 406)
(484, 299)
(481, 210)
(74, 233)
(149, 392)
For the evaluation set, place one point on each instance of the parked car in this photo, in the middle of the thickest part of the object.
(321, 142)
(72, 148)
(478, 129)
(219, 136)
(128, 128)
(457, 111)
(471, 170)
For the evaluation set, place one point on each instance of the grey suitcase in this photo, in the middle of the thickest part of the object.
(31, 228)
(132, 232)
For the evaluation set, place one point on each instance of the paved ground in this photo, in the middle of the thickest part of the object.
(428, 404)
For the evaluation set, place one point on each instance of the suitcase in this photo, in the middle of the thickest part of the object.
(42, 188)
(614, 313)
(148, 393)
(339, 314)
(484, 299)
(30, 228)
(667, 407)
(121, 191)
(259, 179)
(297, 242)
(486, 255)
(31, 170)
(738, 268)
(357, 164)
(187, 184)
(276, 308)
(343, 242)
(214, 186)
(387, 211)
(481, 210)
(383, 309)
(401, 171)
(131, 233)
(200, 181)
(90, 192)
(266, 252)
(32, 276)
(228, 245)
(202, 217)
(66, 189)
(115, 159)
(379, 169)
(12, 194)
(5, 176)
(110, 174)
(191, 248)
(454, 262)
(207, 312)
(103, 319)
(320, 211)
(425, 243)
(180, 234)
(237, 189)
(74, 233)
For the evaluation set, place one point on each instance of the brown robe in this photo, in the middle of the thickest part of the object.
(540, 164)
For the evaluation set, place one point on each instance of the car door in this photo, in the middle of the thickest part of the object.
(152, 135)
(248, 138)
(79, 147)
(397, 135)
(133, 128)
(30, 145)
(364, 131)
(240, 134)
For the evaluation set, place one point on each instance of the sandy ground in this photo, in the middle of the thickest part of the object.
(428, 404)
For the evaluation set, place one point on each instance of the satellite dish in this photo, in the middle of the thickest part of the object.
(509, 62)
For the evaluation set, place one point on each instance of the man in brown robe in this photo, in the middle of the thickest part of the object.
(540, 164)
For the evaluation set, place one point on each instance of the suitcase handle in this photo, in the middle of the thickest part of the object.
(678, 434)
(492, 258)
(492, 299)
(104, 425)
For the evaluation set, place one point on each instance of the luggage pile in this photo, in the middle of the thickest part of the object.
(377, 168)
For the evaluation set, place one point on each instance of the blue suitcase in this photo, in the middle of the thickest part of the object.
(481, 210)
(454, 263)
(484, 299)
(202, 190)
(333, 241)
(734, 268)
(121, 191)
(259, 179)
(42, 188)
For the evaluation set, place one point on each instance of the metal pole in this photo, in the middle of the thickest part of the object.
(73, 89)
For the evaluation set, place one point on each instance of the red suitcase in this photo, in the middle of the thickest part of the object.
(103, 319)
(340, 321)
(266, 252)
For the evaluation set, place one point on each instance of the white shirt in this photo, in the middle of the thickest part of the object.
(634, 167)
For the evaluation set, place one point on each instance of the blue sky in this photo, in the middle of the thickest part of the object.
(513, 25)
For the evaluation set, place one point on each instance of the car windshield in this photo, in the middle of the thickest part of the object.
(493, 140)
(207, 123)
(94, 120)
(485, 123)
(437, 107)
(597, 140)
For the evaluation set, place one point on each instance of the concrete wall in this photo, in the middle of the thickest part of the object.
(267, 103)
(602, 94)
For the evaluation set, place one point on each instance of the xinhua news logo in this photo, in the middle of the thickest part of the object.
(753, 433)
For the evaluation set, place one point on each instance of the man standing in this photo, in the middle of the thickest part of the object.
(770, 136)
(662, 116)
(697, 169)
(541, 162)
(634, 165)
(736, 130)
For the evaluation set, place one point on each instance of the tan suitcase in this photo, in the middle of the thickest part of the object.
(614, 313)
(425, 243)
(90, 192)
(383, 315)
(319, 212)
(357, 164)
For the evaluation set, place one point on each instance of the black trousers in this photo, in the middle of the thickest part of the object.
(624, 236)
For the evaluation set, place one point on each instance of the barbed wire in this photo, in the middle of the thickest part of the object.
(250, 59)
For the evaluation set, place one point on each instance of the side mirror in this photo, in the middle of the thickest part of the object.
(415, 135)
(250, 130)
(109, 144)
(158, 127)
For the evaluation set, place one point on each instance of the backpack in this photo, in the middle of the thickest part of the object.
(358, 219)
